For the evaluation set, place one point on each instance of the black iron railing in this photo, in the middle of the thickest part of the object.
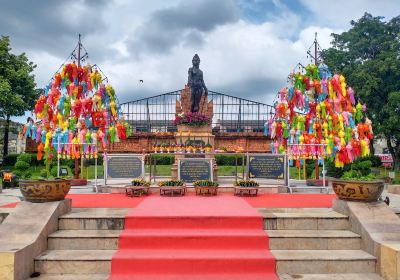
(231, 114)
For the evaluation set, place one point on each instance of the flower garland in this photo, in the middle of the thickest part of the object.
(192, 119)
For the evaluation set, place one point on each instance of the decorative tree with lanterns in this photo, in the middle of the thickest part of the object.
(319, 116)
(77, 113)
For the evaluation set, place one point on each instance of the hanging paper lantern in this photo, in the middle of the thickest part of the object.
(77, 112)
(322, 110)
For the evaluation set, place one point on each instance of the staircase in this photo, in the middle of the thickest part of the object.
(311, 244)
(83, 246)
(307, 244)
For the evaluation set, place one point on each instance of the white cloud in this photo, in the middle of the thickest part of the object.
(339, 13)
(241, 58)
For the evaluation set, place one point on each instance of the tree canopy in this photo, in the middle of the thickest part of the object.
(17, 85)
(368, 54)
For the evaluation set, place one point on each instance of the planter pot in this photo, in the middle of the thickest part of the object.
(358, 190)
(44, 190)
(173, 190)
(206, 190)
(245, 191)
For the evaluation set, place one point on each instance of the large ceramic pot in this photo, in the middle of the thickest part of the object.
(44, 190)
(358, 190)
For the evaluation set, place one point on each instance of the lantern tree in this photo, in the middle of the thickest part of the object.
(319, 116)
(77, 113)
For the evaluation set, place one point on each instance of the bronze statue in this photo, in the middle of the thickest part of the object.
(196, 84)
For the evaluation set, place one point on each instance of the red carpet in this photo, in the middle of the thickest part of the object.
(260, 201)
(106, 200)
(291, 200)
(9, 205)
(193, 238)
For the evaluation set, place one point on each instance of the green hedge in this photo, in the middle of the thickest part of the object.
(225, 160)
(25, 158)
(362, 165)
(22, 166)
(162, 159)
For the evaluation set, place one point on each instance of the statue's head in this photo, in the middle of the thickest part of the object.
(196, 60)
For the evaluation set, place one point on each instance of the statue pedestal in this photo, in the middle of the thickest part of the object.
(183, 105)
(196, 134)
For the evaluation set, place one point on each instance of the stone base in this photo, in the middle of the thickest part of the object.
(393, 189)
(379, 228)
(23, 236)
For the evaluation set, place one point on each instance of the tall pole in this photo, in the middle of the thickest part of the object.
(316, 63)
(79, 64)
(315, 49)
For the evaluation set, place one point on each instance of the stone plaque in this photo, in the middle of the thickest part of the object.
(266, 166)
(190, 170)
(125, 166)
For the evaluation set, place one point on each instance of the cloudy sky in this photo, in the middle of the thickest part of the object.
(246, 47)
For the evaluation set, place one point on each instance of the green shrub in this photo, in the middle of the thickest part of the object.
(229, 160)
(171, 183)
(363, 167)
(10, 160)
(162, 159)
(35, 161)
(205, 183)
(356, 175)
(396, 181)
(18, 173)
(44, 173)
(310, 166)
(25, 158)
(246, 183)
(335, 172)
(376, 161)
(22, 166)
(140, 182)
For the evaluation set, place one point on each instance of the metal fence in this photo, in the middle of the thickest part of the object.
(231, 114)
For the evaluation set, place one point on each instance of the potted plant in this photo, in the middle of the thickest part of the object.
(138, 187)
(140, 182)
(357, 183)
(46, 188)
(246, 187)
(206, 187)
(172, 187)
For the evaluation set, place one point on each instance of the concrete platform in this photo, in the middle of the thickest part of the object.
(335, 276)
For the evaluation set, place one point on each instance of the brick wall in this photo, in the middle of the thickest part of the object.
(143, 142)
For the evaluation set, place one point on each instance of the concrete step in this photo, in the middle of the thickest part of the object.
(324, 220)
(313, 240)
(94, 219)
(72, 277)
(344, 276)
(74, 262)
(84, 240)
(323, 261)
